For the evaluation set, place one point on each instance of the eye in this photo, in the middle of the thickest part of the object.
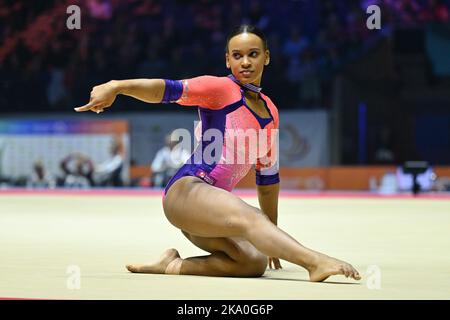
(253, 54)
(236, 55)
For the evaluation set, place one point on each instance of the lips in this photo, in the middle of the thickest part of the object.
(246, 72)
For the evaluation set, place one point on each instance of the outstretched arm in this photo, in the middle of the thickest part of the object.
(103, 96)
(204, 91)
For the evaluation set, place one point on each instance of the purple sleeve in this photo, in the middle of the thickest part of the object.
(173, 91)
(264, 180)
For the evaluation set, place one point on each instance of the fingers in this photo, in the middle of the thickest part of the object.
(91, 106)
(278, 264)
(274, 263)
(86, 107)
(97, 109)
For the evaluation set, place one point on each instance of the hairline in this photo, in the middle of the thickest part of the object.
(264, 44)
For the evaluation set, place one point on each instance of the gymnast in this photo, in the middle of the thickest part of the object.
(242, 240)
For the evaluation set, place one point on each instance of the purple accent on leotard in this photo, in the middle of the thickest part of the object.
(263, 122)
(263, 180)
(210, 94)
(172, 91)
(210, 119)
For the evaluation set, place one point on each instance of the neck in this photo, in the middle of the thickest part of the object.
(252, 95)
(251, 88)
(257, 83)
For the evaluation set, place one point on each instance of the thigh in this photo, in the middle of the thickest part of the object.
(206, 211)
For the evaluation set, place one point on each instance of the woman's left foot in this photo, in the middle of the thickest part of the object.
(159, 267)
(329, 266)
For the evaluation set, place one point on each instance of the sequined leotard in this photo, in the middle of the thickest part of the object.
(222, 106)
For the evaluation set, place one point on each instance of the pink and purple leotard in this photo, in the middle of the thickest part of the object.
(222, 106)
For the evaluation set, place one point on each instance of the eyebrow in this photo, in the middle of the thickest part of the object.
(237, 50)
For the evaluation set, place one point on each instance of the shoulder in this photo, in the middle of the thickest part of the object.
(209, 92)
(209, 81)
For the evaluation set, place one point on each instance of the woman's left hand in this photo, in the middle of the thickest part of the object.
(274, 263)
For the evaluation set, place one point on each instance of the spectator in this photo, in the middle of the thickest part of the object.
(257, 16)
(310, 88)
(109, 172)
(41, 178)
(78, 170)
(146, 36)
(56, 91)
(167, 161)
(295, 45)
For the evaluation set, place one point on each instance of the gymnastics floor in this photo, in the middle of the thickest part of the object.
(75, 245)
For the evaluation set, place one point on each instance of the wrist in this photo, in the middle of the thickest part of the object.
(116, 86)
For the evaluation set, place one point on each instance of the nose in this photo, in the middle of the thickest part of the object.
(245, 62)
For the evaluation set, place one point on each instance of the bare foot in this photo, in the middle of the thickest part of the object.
(158, 267)
(329, 266)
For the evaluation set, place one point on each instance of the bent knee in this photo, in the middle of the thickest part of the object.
(260, 264)
(255, 265)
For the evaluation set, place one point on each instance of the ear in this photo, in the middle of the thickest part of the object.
(227, 61)
(267, 58)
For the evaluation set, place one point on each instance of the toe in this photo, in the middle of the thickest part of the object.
(131, 268)
(349, 272)
(354, 274)
(343, 270)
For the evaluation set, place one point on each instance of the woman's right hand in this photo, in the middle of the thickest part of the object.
(102, 96)
(274, 263)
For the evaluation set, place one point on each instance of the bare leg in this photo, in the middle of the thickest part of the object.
(234, 257)
(159, 266)
(229, 258)
(205, 211)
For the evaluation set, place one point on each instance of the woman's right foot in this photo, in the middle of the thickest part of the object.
(159, 267)
(328, 266)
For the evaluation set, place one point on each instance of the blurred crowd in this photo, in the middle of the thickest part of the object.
(44, 66)
(79, 171)
(76, 170)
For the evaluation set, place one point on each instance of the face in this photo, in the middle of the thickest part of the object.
(246, 58)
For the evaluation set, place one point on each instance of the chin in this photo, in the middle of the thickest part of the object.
(245, 80)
